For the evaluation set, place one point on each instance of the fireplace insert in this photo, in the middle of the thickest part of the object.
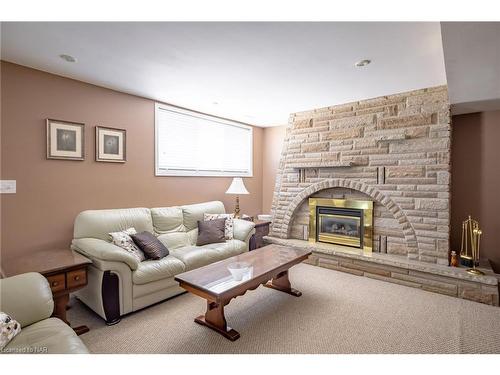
(341, 222)
(343, 226)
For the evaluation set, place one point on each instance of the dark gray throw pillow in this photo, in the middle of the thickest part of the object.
(150, 245)
(212, 231)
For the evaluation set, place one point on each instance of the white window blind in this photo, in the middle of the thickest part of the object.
(193, 144)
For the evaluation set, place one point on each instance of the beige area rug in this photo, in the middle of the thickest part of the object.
(337, 313)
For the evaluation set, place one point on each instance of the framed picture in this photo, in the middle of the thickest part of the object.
(110, 144)
(65, 140)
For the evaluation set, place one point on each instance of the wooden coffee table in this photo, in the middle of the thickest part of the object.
(268, 265)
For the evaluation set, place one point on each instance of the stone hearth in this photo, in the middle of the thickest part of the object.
(393, 150)
(451, 281)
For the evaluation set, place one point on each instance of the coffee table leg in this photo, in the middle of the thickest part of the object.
(214, 318)
(282, 283)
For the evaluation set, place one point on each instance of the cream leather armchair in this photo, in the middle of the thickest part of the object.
(117, 283)
(27, 298)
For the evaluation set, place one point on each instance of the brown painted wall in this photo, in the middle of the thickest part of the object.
(476, 179)
(50, 193)
(271, 152)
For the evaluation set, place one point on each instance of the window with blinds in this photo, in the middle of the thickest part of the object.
(192, 144)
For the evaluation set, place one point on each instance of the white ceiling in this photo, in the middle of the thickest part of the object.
(256, 73)
(472, 59)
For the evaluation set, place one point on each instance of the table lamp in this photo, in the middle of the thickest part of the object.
(237, 188)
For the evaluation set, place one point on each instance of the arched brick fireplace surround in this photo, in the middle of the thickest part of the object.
(372, 192)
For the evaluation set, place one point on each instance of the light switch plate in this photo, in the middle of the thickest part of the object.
(8, 186)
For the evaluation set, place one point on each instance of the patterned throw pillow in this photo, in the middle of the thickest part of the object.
(228, 230)
(123, 240)
(8, 329)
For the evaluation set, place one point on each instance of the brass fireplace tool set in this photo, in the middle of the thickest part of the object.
(471, 238)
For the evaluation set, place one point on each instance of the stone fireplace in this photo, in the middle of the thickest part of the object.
(393, 151)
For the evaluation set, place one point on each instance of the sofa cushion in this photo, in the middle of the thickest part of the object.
(99, 223)
(194, 212)
(211, 231)
(124, 240)
(152, 270)
(167, 219)
(53, 334)
(9, 328)
(175, 240)
(141, 290)
(198, 256)
(150, 245)
(228, 231)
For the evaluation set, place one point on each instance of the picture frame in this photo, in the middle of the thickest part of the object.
(110, 144)
(65, 140)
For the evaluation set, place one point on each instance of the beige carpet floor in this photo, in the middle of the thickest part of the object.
(337, 313)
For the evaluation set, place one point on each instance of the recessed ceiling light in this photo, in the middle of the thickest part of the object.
(68, 58)
(363, 63)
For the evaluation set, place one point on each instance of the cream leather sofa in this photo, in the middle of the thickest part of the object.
(117, 283)
(27, 298)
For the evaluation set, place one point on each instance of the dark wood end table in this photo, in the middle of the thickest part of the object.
(261, 230)
(65, 270)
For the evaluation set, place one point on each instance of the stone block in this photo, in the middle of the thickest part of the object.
(449, 288)
(352, 122)
(330, 156)
(492, 290)
(315, 147)
(396, 248)
(356, 160)
(331, 264)
(435, 289)
(312, 260)
(431, 204)
(365, 268)
(341, 108)
(427, 98)
(420, 144)
(365, 143)
(381, 101)
(373, 110)
(443, 178)
(342, 134)
(419, 132)
(404, 121)
(301, 124)
(406, 171)
(393, 280)
(308, 130)
(385, 268)
(476, 294)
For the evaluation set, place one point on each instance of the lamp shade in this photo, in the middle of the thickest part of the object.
(237, 187)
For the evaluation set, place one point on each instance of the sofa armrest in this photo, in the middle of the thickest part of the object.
(94, 248)
(27, 298)
(243, 229)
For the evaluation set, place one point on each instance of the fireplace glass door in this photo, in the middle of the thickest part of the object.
(343, 226)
